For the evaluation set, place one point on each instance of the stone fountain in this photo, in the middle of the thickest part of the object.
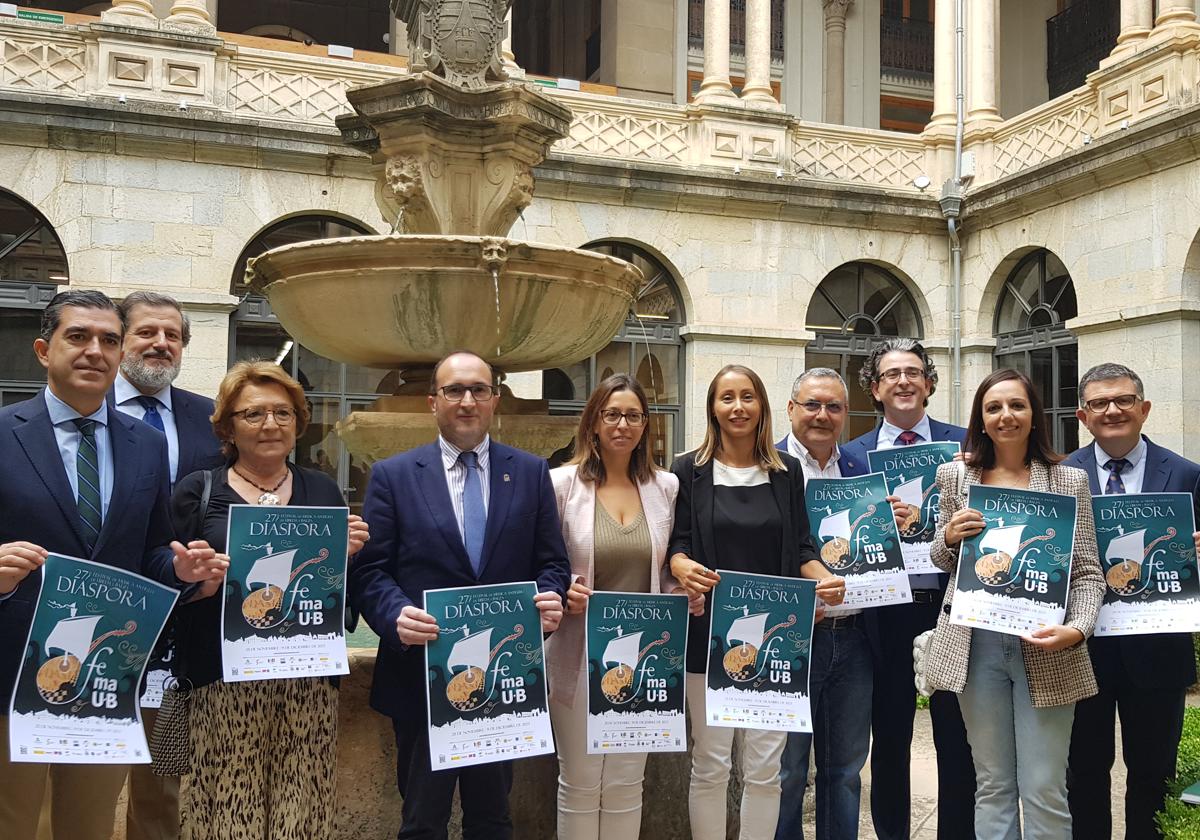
(456, 144)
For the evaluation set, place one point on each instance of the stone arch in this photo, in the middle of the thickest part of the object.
(31, 250)
(1190, 285)
(985, 311)
(912, 293)
(678, 286)
(260, 241)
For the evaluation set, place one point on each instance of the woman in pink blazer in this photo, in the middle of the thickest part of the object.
(616, 510)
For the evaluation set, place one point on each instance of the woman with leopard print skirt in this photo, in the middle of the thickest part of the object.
(264, 752)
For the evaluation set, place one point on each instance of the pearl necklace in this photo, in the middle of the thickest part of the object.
(268, 497)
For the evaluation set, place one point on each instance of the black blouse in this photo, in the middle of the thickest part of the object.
(198, 624)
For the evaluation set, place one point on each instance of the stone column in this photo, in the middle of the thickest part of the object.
(1137, 17)
(134, 12)
(982, 35)
(508, 61)
(191, 13)
(716, 87)
(1172, 12)
(835, 59)
(944, 112)
(757, 90)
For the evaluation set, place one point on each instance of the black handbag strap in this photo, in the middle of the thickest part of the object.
(205, 494)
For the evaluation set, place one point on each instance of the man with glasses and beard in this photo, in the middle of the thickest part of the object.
(156, 334)
(1143, 678)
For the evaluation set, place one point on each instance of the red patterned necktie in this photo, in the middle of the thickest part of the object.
(1115, 484)
(907, 438)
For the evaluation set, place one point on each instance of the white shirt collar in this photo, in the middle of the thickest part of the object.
(1134, 456)
(800, 451)
(889, 432)
(61, 413)
(124, 391)
(450, 452)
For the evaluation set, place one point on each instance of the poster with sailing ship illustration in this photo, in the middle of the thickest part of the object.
(758, 652)
(635, 659)
(284, 600)
(911, 474)
(485, 687)
(855, 532)
(76, 696)
(1014, 575)
(1149, 562)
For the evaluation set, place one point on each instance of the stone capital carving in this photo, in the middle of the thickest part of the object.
(835, 10)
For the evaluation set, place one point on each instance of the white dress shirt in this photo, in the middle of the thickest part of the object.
(813, 469)
(68, 437)
(456, 476)
(126, 397)
(1133, 476)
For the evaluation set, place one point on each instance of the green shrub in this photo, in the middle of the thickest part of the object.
(1178, 820)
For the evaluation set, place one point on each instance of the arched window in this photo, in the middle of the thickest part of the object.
(32, 264)
(334, 389)
(648, 346)
(857, 305)
(1037, 299)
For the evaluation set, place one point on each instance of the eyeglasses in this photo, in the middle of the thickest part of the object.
(479, 393)
(1101, 404)
(893, 374)
(258, 416)
(814, 407)
(612, 417)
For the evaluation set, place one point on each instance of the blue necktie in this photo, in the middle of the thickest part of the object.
(152, 416)
(87, 472)
(474, 515)
(1115, 467)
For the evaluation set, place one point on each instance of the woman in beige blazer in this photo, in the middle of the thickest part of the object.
(616, 510)
(1017, 694)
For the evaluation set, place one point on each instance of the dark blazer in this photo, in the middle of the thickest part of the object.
(38, 506)
(692, 533)
(1161, 660)
(199, 448)
(415, 545)
(854, 454)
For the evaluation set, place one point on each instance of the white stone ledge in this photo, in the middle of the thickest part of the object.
(1129, 316)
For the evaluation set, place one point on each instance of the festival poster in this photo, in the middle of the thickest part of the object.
(635, 658)
(485, 688)
(911, 474)
(856, 534)
(76, 696)
(1013, 577)
(284, 600)
(758, 652)
(1149, 561)
(158, 671)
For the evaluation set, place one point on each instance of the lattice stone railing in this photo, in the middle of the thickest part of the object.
(48, 63)
(276, 86)
(878, 158)
(1049, 131)
(618, 128)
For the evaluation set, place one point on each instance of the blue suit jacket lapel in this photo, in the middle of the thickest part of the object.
(431, 479)
(126, 455)
(36, 436)
(1087, 462)
(500, 496)
(1158, 469)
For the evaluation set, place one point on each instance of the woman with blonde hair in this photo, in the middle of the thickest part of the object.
(616, 509)
(1017, 693)
(263, 752)
(740, 506)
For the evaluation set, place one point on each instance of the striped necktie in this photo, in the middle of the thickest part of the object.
(87, 471)
(152, 417)
(1115, 483)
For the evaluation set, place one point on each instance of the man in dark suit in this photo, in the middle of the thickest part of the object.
(461, 511)
(84, 481)
(1144, 678)
(900, 378)
(156, 333)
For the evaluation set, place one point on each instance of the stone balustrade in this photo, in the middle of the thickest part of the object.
(110, 65)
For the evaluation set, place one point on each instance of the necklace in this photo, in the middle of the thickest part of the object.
(268, 497)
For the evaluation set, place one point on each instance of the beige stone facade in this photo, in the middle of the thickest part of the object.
(157, 154)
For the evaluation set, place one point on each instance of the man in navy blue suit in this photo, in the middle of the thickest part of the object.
(156, 333)
(900, 378)
(1144, 678)
(84, 481)
(461, 511)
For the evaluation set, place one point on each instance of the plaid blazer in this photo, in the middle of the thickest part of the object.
(1056, 678)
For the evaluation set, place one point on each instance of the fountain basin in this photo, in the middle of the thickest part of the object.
(394, 301)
